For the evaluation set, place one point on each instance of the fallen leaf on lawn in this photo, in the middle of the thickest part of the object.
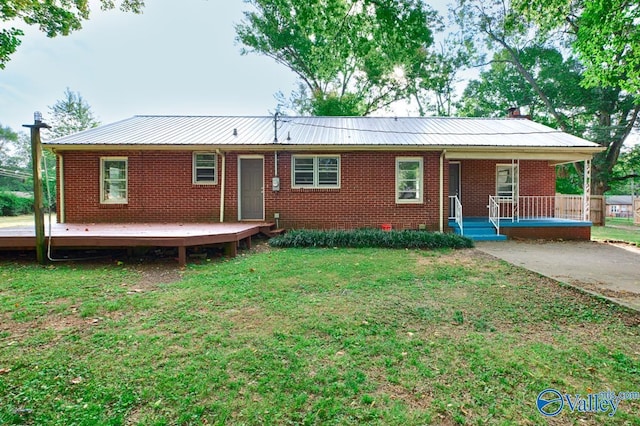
(340, 353)
(76, 381)
(4, 370)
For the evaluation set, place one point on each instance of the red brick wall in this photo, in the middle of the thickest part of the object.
(478, 181)
(366, 197)
(161, 190)
(548, 233)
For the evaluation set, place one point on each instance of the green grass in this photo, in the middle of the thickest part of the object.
(617, 229)
(307, 336)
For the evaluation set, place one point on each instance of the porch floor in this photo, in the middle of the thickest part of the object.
(480, 229)
(111, 235)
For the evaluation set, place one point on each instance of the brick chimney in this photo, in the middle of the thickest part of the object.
(514, 112)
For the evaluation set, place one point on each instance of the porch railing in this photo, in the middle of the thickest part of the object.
(553, 206)
(455, 207)
(494, 212)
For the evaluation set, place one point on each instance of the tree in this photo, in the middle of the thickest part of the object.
(70, 115)
(626, 170)
(610, 112)
(53, 17)
(502, 86)
(434, 79)
(605, 35)
(352, 56)
(14, 160)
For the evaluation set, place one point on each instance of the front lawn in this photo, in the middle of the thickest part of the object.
(306, 336)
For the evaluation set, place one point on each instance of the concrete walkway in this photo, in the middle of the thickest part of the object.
(608, 270)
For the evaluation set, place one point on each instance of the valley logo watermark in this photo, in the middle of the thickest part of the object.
(551, 402)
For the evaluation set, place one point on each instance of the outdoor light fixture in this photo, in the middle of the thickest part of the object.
(37, 116)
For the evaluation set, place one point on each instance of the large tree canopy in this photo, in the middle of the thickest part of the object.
(352, 55)
(605, 35)
(604, 113)
(53, 17)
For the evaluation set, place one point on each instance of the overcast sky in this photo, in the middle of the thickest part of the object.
(178, 57)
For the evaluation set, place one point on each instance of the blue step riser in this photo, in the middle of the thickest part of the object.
(478, 230)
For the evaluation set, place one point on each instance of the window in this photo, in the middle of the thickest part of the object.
(507, 181)
(204, 168)
(408, 180)
(113, 180)
(318, 171)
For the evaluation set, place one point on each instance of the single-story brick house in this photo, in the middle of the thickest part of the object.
(323, 172)
(619, 205)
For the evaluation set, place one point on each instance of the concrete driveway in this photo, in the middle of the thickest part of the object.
(609, 270)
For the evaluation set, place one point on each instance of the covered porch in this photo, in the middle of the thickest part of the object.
(500, 198)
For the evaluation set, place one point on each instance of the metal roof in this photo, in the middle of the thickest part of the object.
(619, 200)
(220, 131)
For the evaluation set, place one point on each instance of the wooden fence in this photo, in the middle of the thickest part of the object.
(570, 206)
(636, 211)
(598, 210)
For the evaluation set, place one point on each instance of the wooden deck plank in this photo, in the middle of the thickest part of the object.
(135, 235)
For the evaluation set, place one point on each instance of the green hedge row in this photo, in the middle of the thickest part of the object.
(370, 238)
(12, 205)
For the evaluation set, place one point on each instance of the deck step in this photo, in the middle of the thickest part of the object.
(276, 232)
(270, 232)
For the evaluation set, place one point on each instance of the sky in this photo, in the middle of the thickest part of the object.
(178, 57)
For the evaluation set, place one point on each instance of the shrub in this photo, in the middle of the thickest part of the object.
(370, 238)
(12, 205)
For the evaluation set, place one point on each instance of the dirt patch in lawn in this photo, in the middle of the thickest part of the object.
(152, 274)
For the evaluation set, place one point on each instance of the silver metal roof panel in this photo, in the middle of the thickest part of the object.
(220, 131)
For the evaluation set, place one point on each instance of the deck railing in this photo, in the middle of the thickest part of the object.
(494, 212)
(455, 207)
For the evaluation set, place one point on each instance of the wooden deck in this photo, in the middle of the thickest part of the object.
(103, 235)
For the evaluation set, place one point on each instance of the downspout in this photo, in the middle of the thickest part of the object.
(442, 154)
(61, 211)
(223, 180)
(275, 166)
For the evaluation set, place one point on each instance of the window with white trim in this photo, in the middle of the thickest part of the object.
(113, 180)
(315, 171)
(204, 168)
(409, 180)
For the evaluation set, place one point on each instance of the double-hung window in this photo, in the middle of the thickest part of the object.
(204, 168)
(316, 171)
(113, 180)
(409, 180)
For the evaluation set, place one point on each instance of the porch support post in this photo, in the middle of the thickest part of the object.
(586, 191)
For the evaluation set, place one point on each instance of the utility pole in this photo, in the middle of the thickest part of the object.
(38, 203)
